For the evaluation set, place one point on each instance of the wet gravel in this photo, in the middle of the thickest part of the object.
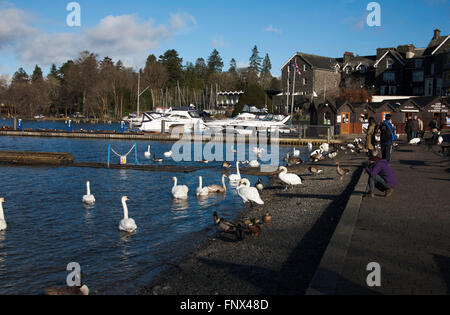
(283, 258)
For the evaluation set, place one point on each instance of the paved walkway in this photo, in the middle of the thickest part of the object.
(407, 234)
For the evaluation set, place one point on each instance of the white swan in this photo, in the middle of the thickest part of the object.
(249, 194)
(179, 192)
(325, 147)
(3, 224)
(216, 189)
(296, 152)
(168, 154)
(310, 147)
(147, 154)
(88, 199)
(235, 177)
(254, 164)
(289, 179)
(127, 225)
(202, 191)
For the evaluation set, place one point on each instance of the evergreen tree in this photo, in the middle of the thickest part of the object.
(254, 95)
(255, 61)
(233, 66)
(173, 64)
(215, 63)
(37, 77)
(200, 68)
(266, 65)
(20, 76)
(53, 72)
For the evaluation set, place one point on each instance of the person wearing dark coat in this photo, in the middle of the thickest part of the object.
(414, 128)
(380, 173)
(408, 129)
(387, 138)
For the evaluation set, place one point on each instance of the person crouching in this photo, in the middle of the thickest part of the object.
(380, 174)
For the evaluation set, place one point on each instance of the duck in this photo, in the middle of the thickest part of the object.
(217, 189)
(259, 185)
(296, 152)
(157, 160)
(226, 165)
(81, 290)
(289, 179)
(3, 224)
(254, 164)
(248, 193)
(235, 177)
(202, 191)
(147, 154)
(239, 232)
(222, 224)
(252, 227)
(315, 170)
(292, 160)
(88, 199)
(127, 225)
(341, 171)
(267, 218)
(168, 154)
(179, 192)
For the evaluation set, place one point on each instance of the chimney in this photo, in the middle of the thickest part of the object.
(348, 56)
(437, 34)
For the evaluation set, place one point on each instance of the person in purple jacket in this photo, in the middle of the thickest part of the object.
(380, 173)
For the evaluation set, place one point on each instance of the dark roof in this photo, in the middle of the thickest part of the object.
(434, 44)
(319, 62)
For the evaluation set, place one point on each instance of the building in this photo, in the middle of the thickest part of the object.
(228, 99)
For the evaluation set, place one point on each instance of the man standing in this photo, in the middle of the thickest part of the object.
(421, 128)
(408, 129)
(382, 174)
(387, 138)
(370, 140)
(414, 128)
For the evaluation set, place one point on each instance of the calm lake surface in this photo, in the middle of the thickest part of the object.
(49, 227)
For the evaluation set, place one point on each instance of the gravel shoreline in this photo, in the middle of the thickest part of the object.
(283, 258)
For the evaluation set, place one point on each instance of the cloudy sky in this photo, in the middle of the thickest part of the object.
(36, 32)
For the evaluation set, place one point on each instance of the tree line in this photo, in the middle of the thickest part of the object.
(105, 89)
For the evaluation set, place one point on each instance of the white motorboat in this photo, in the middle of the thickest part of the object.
(187, 119)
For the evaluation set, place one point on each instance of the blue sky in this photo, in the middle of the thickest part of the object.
(36, 31)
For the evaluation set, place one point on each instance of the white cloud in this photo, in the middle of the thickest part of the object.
(123, 37)
(272, 29)
(243, 64)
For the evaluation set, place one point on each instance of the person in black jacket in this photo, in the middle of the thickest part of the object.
(387, 138)
(408, 129)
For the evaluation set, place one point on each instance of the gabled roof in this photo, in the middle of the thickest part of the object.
(377, 106)
(435, 45)
(315, 61)
(393, 53)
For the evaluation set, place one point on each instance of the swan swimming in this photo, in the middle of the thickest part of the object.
(127, 225)
(235, 177)
(216, 189)
(147, 154)
(289, 179)
(168, 154)
(254, 164)
(202, 191)
(88, 199)
(179, 192)
(248, 193)
(310, 147)
(3, 224)
(296, 153)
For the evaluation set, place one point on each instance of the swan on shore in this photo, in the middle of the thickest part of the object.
(289, 179)
(3, 224)
(147, 154)
(127, 225)
(168, 154)
(88, 199)
(235, 177)
(217, 189)
(248, 193)
(179, 192)
(202, 191)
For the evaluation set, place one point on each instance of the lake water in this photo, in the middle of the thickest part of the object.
(49, 227)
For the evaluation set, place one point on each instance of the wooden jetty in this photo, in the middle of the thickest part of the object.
(35, 158)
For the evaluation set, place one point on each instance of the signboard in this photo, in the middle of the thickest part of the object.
(123, 160)
(339, 119)
(438, 108)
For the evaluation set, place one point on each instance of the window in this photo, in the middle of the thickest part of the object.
(348, 70)
(385, 114)
(439, 86)
(418, 90)
(382, 90)
(389, 76)
(363, 69)
(418, 63)
(389, 63)
(429, 87)
(305, 81)
(417, 76)
(305, 68)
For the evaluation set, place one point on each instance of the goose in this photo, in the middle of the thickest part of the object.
(168, 154)
(310, 147)
(82, 290)
(315, 170)
(254, 164)
(88, 199)
(157, 160)
(289, 179)
(259, 185)
(226, 165)
(216, 189)
(179, 192)
(3, 224)
(235, 177)
(147, 154)
(222, 224)
(296, 153)
(248, 193)
(415, 141)
(127, 225)
(341, 171)
(202, 191)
